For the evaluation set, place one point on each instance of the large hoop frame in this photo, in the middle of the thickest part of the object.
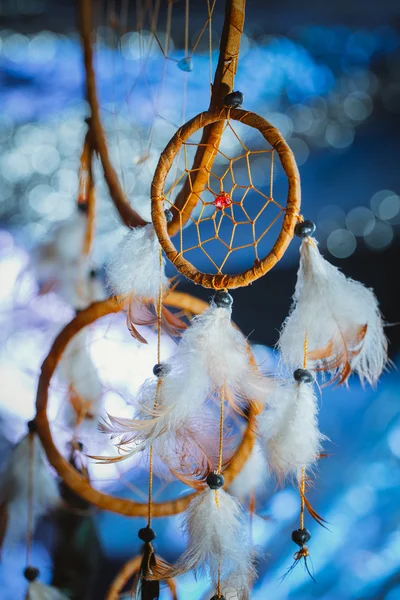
(275, 139)
(69, 475)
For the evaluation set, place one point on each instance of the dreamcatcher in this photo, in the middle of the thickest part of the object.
(216, 177)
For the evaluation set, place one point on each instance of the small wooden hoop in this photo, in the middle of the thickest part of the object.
(69, 475)
(124, 575)
(275, 139)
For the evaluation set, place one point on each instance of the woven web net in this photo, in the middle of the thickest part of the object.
(238, 213)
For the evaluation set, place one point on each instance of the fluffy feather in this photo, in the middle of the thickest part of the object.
(341, 319)
(134, 268)
(38, 591)
(220, 353)
(14, 489)
(183, 434)
(211, 353)
(82, 376)
(289, 430)
(253, 476)
(217, 541)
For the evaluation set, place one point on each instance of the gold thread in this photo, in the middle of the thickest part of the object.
(305, 351)
(159, 323)
(302, 496)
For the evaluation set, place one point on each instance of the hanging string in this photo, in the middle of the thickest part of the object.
(303, 471)
(29, 533)
(159, 321)
(220, 460)
(305, 351)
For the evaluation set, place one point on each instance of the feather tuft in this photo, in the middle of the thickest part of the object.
(218, 542)
(341, 319)
(221, 353)
(134, 268)
(288, 428)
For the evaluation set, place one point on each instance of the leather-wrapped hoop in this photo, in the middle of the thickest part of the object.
(291, 213)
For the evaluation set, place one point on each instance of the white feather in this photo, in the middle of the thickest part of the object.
(14, 489)
(221, 353)
(288, 428)
(81, 373)
(211, 353)
(38, 591)
(134, 267)
(253, 476)
(329, 307)
(180, 396)
(217, 540)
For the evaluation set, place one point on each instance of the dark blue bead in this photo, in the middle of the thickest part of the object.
(234, 99)
(161, 369)
(304, 229)
(301, 536)
(215, 481)
(31, 573)
(303, 376)
(222, 299)
(146, 534)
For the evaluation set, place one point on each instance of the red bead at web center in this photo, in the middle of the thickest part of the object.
(223, 200)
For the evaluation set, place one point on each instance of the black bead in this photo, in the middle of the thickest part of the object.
(168, 215)
(93, 273)
(146, 534)
(216, 597)
(161, 369)
(301, 536)
(234, 99)
(83, 207)
(31, 573)
(222, 299)
(215, 481)
(303, 376)
(304, 229)
(32, 427)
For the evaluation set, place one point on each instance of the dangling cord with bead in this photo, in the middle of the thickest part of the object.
(216, 480)
(30, 573)
(150, 590)
(302, 536)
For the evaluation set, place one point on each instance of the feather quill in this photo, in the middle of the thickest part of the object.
(341, 318)
(134, 268)
(14, 489)
(38, 591)
(289, 432)
(218, 542)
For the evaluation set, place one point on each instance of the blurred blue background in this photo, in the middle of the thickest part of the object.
(328, 76)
